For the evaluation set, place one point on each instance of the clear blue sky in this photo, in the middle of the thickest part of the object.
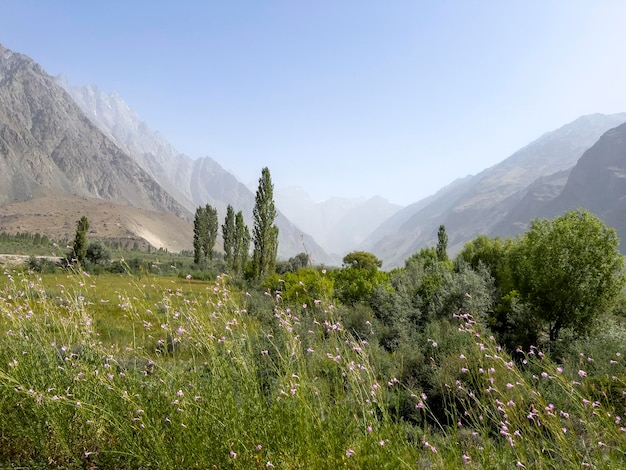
(341, 97)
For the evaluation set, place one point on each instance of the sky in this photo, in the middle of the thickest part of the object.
(348, 98)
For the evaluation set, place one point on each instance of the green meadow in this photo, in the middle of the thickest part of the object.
(120, 371)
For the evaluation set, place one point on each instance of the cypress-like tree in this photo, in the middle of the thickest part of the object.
(265, 233)
(228, 235)
(242, 244)
(198, 230)
(442, 244)
(79, 247)
(210, 234)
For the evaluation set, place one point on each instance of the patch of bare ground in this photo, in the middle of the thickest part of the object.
(17, 260)
(56, 215)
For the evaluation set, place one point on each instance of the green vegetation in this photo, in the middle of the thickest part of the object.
(264, 232)
(443, 363)
(205, 227)
(79, 247)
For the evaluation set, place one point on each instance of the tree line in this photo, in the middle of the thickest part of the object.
(236, 236)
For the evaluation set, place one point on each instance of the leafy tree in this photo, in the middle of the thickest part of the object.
(265, 233)
(301, 260)
(229, 236)
(363, 260)
(199, 229)
(442, 244)
(205, 226)
(492, 253)
(79, 247)
(356, 281)
(568, 271)
(210, 235)
(97, 253)
(241, 249)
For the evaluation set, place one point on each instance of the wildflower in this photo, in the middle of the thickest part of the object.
(462, 356)
(269, 464)
(520, 464)
(559, 370)
(180, 393)
(233, 454)
(349, 453)
(466, 459)
(369, 429)
(581, 373)
(259, 447)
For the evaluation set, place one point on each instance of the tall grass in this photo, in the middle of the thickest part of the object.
(180, 375)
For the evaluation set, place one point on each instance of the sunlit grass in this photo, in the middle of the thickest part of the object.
(128, 372)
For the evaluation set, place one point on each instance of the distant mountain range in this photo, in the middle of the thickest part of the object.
(503, 199)
(67, 152)
(338, 224)
(80, 143)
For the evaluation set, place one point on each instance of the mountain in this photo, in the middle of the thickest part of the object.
(49, 148)
(338, 224)
(597, 183)
(486, 203)
(191, 182)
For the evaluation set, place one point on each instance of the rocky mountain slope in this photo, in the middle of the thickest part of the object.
(483, 204)
(48, 148)
(596, 183)
(191, 182)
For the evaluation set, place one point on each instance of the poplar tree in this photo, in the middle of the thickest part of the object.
(79, 247)
(442, 244)
(198, 231)
(229, 236)
(211, 228)
(265, 233)
(241, 249)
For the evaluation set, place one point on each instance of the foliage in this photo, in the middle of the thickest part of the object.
(241, 250)
(205, 228)
(306, 286)
(568, 271)
(199, 229)
(79, 247)
(229, 236)
(301, 260)
(357, 280)
(97, 253)
(210, 237)
(442, 244)
(264, 232)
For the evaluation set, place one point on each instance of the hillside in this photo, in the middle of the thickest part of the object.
(56, 165)
(479, 204)
(192, 182)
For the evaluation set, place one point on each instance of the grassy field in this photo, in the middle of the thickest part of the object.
(116, 371)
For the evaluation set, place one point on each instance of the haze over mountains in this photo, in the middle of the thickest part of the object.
(94, 147)
(67, 151)
(501, 200)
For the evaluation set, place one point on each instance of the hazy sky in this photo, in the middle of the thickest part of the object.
(341, 97)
